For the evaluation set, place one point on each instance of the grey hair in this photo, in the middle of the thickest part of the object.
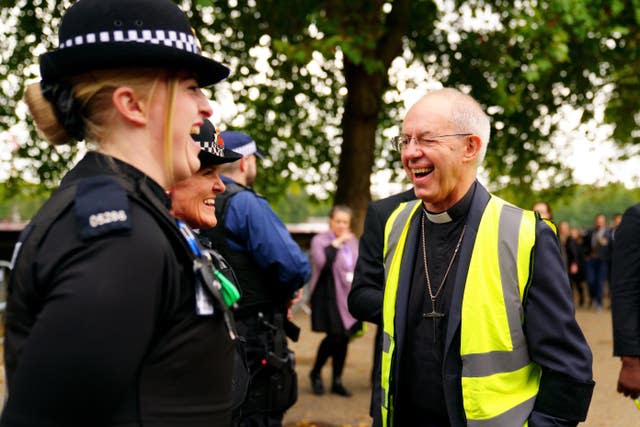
(467, 116)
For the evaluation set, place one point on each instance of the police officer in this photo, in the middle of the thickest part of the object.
(102, 325)
(270, 268)
(193, 201)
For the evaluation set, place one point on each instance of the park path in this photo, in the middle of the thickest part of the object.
(608, 408)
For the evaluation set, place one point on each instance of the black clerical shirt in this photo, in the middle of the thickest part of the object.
(421, 395)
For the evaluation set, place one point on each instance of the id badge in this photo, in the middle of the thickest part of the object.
(204, 303)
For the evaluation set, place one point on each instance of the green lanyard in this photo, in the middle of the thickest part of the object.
(230, 293)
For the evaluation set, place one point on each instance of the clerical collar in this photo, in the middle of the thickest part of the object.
(456, 211)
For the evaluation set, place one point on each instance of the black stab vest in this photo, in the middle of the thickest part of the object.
(258, 287)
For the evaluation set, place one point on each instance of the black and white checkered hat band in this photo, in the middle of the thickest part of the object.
(178, 40)
(246, 149)
(213, 148)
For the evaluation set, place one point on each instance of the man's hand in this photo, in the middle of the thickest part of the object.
(629, 379)
(297, 297)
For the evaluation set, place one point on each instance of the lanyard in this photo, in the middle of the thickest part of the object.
(190, 238)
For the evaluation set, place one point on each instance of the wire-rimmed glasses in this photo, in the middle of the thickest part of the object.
(400, 142)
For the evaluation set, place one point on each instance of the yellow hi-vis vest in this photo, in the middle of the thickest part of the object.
(499, 381)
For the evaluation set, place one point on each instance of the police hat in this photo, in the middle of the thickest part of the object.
(241, 143)
(99, 34)
(212, 149)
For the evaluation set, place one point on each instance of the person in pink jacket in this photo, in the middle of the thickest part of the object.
(333, 259)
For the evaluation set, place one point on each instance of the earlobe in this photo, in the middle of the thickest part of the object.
(129, 105)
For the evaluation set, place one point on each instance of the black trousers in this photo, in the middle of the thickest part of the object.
(334, 346)
(273, 384)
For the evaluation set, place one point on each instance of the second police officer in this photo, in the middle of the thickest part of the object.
(271, 269)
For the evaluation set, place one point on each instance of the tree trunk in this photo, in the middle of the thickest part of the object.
(359, 124)
(362, 108)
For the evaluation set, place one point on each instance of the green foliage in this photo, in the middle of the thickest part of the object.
(577, 204)
(549, 53)
(322, 90)
(19, 204)
(27, 29)
(581, 206)
(297, 207)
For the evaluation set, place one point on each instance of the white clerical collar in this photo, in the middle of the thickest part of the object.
(439, 218)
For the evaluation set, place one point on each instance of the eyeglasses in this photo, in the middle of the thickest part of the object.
(401, 142)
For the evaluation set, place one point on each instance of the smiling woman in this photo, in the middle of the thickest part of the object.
(126, 76)
(193, 199)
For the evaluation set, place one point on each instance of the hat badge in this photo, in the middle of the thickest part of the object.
(216, 147)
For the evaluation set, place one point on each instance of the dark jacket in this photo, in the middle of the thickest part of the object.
(365, 298)
(269, 264)
(101, 322)
(625, 285)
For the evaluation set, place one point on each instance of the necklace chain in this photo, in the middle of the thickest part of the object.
(426, 265)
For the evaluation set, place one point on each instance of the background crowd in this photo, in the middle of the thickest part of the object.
(203, 323)
(587, 253)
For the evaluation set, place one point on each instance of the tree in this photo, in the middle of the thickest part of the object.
(311, 79)
(581, 206)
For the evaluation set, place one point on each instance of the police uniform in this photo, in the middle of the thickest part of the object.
(270, 267)
(102, 328)
(102, 325)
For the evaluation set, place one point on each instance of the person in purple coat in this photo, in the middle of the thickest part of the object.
(333, 259)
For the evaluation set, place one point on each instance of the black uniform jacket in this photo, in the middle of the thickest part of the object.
(101, 326)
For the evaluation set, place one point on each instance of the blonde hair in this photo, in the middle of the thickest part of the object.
(172, 88)
(94, 91)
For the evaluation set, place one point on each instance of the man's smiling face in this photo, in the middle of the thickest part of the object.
(435, 168)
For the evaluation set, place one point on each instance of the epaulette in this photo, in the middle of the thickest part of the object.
(101, 207)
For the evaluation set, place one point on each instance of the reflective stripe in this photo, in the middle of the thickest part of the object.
(386, 342)
(512, 418)
(485, 364)
(397, 221)
(508, 235)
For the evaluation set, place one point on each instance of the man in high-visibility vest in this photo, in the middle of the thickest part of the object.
(478, 319)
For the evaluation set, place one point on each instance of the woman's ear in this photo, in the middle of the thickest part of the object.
(129, 105)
